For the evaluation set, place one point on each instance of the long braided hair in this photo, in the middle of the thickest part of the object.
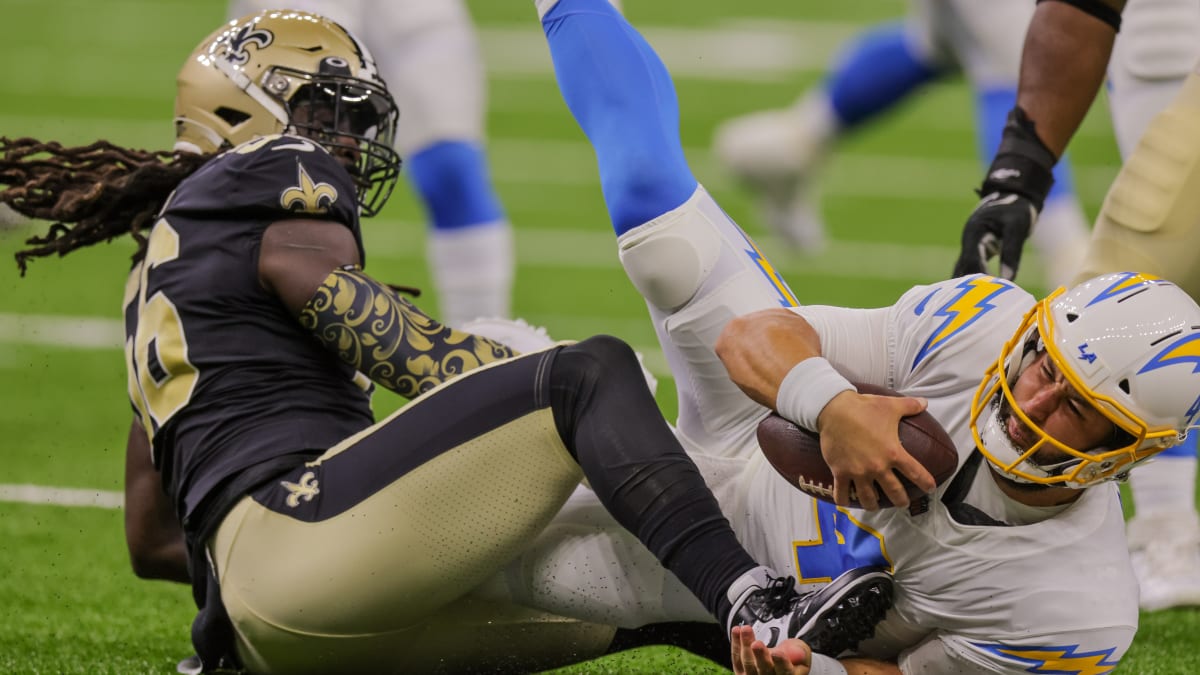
(91, 193)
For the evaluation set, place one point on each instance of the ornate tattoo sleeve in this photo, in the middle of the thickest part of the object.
(386, 337)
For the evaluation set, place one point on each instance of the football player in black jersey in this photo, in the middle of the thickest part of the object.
(315, 539)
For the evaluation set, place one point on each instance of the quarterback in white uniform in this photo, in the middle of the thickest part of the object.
(998, 571)
(983, 582)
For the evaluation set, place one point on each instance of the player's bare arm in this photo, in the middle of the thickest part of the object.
(313, 266)
(1066, 54)
(1063, 63)
(152, 532)
(763, 349)
(759, 348)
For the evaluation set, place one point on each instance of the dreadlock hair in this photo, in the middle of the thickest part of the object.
(92, 193)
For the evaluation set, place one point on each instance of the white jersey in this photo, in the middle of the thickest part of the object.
(1055, 596)
(1052, 596)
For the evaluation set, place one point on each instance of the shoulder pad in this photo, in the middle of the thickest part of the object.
(950, 309)
(273, 177)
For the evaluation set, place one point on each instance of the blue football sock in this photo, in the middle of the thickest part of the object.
(452, 179)
(877, 71)
(622, 97)
(1185, 449)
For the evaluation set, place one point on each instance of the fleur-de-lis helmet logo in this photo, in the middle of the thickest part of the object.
(308, 197)
(244, 37)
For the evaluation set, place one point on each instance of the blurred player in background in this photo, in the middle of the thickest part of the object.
(317, 539)
(780, 153)
(429, 55)
(1150, 220)
(981, 564)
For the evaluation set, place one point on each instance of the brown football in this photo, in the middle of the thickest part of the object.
(796, 453)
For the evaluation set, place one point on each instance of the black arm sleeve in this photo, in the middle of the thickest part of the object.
(1107, 11)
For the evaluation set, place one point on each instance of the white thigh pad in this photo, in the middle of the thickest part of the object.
(697, 270)
(669, 258)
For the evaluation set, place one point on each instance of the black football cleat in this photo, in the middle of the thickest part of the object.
(830, 620)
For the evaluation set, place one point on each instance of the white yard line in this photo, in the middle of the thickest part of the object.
(81, 332)
(56, 496)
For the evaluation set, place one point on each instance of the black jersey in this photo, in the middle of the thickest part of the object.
(222, 376)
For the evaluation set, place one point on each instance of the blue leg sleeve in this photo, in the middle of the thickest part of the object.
(622, 97)
(452, 179)
(992, 108)
(1185, 449)
(877, 71)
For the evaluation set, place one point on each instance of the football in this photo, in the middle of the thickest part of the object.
(796, 453)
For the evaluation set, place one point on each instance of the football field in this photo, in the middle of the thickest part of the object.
(895, 197)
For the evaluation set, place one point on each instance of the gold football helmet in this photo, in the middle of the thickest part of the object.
(1128, 344)
(286, 71)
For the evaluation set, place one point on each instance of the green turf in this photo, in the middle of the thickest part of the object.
(80, 69)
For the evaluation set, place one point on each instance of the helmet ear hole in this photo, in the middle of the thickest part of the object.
(232, 117)
(1071, 317)
(1124, 385)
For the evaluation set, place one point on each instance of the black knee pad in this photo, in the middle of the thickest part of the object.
(591, 375)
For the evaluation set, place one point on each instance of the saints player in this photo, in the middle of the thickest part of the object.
(428, 53)
(1019, 562)
(318, 540)
(780, 153)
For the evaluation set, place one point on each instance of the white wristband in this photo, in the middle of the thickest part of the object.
(826, 665)
(807, 387)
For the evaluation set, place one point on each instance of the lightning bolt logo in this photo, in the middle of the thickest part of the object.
(1192, 411)
(1184, 351)
(973, 300)
(1057, 660)
(786, 297)
(1125, 283)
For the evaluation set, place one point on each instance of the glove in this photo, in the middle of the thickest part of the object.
(1012, 195)
(1000, 223)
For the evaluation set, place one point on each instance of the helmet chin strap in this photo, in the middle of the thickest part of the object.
(999, 444)
(214, 139)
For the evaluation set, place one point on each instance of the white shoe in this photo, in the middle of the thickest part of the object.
(776, 154)
(524, 338)
(1165, 549)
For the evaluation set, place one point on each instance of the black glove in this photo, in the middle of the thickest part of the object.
(999, 224)
(1012, 196)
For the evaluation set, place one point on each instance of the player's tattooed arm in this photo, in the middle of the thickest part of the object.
(365, 322)
(387, 338)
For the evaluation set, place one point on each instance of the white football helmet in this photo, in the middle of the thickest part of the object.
(286, 71)
(1128, 343)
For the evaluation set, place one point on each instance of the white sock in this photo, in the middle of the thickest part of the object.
(816, 107)
(1164, 484)
(472, 270)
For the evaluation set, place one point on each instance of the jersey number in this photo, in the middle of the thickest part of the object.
(161, 378)
(842, 543)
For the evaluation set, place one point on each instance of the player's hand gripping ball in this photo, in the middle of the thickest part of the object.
(796, 453)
